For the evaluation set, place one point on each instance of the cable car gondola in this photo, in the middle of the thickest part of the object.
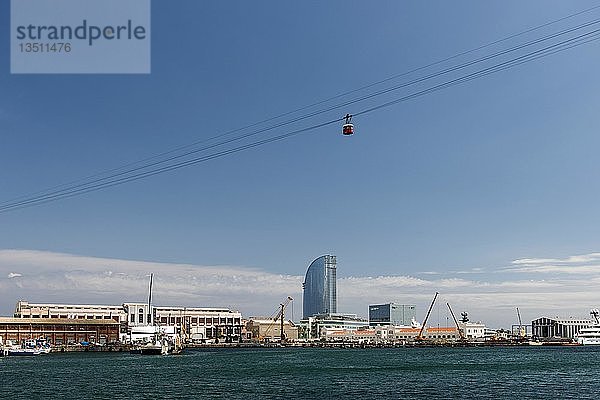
(348, 128)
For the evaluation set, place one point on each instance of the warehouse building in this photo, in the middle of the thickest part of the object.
(59, 331)
(194, 323)
(549, 328)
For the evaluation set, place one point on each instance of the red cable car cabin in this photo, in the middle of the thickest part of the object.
(348, 128)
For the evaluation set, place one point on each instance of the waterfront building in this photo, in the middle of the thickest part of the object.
(202, 323)
(193, 323)
(436, 334)
(473, 330)
(389, 334)
(315, 327)
(264, 329)
(319, 287)
(362, 335)
(549, 328)
(60, 331)
(441, 334)
(392, 314)
(24, 309)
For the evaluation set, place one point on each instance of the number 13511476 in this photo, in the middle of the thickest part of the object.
(32, 47)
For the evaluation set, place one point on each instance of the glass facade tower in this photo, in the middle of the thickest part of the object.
(392, 314)
(320, 292)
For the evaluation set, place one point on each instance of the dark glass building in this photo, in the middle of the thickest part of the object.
(320, 292)
(391, 314)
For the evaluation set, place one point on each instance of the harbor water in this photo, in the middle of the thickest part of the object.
(309, 373)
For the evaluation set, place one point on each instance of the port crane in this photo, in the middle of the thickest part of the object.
(522, 332)
(420, 335)
(460, 332)
(279, 315)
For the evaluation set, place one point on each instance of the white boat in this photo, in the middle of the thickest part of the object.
(153, 339)
(591, 335)
(19, 351)
(158, 346)
(30, 347)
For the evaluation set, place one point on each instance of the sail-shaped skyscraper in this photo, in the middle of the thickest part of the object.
(320, 291)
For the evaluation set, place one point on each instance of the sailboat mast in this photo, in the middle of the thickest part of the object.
(150, 301)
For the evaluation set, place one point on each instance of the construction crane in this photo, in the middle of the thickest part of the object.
(420, 335)
(279, 315)
(460, 332)
(521, 333)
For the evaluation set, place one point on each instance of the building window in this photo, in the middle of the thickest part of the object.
(132, 318)
(141, 315)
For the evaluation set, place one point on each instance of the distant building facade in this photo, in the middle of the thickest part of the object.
(548, 328)
(194, 324)
(390, 334)
(25, 309)
(269, 330)
(59, 331)
(392, 314)
(473, 330)
(316, 326)
(319, 287)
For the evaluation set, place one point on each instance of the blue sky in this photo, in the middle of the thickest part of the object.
(471, 178)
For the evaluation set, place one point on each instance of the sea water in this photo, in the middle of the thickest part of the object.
(310, 373)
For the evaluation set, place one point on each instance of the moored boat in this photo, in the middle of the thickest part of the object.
(591, 335)
(20, 351)
(153, 339)
(29, 347)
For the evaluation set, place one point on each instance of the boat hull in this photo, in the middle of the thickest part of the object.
(23, 352)
(589, 341)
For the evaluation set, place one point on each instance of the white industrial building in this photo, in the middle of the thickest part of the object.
(203, 324)
(564, 328)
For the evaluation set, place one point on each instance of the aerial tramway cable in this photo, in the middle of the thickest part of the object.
(119, 178)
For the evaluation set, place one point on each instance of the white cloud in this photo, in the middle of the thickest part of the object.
(584, 258)
(585, 264)
(557, 269)
(58, 277)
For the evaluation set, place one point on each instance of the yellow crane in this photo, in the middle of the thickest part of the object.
(279, 315)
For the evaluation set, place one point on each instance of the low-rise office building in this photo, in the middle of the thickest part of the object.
(390, 334)
(315, 327)
(392, 314)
